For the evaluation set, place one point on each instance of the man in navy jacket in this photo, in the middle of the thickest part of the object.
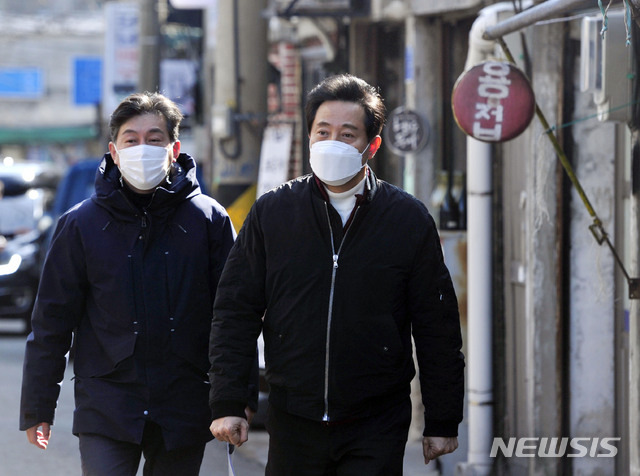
(132, 273)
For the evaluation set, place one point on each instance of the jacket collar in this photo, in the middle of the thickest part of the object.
(181, 186)
(370, 187)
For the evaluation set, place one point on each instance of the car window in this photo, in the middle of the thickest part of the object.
(77, 185)
(20, 214)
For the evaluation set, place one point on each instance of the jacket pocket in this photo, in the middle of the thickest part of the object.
(377, 340)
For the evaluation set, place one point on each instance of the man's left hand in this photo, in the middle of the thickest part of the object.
(434, 446)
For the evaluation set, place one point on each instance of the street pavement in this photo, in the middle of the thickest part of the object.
(61, 458)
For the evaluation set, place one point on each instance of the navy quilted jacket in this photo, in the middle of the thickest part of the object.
(135, 285)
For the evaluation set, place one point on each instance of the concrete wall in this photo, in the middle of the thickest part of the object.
(51, 45)
(592, 290)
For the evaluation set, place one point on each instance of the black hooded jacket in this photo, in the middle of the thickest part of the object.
(337, 308)
(136, 286)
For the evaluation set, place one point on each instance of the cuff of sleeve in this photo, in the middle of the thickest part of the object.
(30, 419)
(442, 428)
(253, 404)
(223, 409)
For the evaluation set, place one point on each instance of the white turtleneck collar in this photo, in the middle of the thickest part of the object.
(344, 202)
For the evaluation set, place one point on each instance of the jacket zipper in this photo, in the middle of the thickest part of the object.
(334, 271)
(143, 218)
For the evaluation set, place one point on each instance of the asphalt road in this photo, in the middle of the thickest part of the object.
(62, 458)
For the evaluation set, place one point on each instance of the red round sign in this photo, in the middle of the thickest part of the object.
(493, 101)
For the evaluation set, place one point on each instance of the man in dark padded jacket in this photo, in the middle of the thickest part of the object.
(132, 274)
(338, 269)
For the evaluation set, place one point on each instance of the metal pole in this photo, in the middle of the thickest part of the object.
(149, 74)
(240, 79)
(634, 322)
(528, 17)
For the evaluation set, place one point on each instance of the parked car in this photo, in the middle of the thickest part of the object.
(27, 191)
(76, 185)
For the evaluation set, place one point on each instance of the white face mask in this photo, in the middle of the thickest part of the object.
(144, 166)
(334, 162)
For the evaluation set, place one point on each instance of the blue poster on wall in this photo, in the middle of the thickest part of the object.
(87, 75)
(21, 83)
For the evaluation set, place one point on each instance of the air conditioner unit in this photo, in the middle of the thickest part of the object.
(606, 66)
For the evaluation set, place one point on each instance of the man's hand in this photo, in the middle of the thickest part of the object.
(234, 430)
(434, 446)
(37, 437)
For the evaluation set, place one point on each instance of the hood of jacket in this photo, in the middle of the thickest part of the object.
(109, 193)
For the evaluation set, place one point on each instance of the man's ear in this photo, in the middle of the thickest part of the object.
(176, 150)
(375, 146)
(114, 155)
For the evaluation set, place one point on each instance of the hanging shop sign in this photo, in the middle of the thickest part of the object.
(275, 156)
(493, 101)
(406, 132)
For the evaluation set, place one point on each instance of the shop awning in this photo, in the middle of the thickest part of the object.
(43, 135)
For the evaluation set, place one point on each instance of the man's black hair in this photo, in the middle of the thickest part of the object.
(349, 88)
(138, 104)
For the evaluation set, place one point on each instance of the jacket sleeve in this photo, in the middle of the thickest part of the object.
(218, 256)
(237, 322)
(221, 241)
(57, 309)
(436, 330)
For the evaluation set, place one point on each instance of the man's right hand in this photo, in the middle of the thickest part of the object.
(234, 430)
(37, 437)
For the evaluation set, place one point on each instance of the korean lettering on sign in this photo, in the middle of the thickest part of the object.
(405, 131)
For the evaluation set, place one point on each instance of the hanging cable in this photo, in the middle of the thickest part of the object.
(596, 228)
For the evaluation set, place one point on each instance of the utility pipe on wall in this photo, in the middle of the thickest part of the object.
(479, 326)
(479, 255)
(531, 15)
